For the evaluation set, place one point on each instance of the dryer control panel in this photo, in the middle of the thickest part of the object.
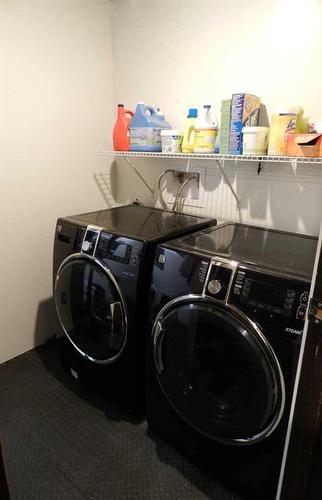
(119, 249)
(271, 299)
(272, 294)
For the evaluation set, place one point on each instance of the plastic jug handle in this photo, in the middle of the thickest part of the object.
(266, 139)
(128, 112)
(151, 109)
(191, 137)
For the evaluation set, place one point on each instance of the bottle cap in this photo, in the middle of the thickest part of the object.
(193, 113)
(120, 105)
(207, 106)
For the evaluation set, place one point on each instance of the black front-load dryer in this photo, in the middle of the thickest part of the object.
(228, 308)
(102, 269)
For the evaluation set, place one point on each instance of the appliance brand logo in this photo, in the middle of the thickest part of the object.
(292, 330)
(162, 258)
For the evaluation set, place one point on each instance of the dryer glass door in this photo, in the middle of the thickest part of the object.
(218, 372)
(91, 309)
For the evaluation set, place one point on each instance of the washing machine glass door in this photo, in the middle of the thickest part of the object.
(218, 371)
(91, 308)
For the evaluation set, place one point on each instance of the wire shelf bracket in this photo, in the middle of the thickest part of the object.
(221, 166)
(138, 174)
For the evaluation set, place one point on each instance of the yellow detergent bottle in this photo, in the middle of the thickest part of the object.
(205, 132)
(189, 131)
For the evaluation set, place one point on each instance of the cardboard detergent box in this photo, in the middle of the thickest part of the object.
(244, 113)
(304, 145)
(224, 126)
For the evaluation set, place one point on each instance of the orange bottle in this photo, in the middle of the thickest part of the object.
(121, 133)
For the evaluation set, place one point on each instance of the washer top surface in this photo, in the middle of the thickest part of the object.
(140, 222)
(283, 252)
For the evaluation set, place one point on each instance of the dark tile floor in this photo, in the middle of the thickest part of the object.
(60, 441)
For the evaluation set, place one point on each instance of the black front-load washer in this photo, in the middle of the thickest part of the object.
(228, 309)
(102, 268)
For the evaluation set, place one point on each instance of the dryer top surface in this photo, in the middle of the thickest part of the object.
(279, 251)
(143, 223)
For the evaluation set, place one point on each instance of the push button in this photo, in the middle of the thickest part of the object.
(300, 313)
(87, 246)
(304, 298)
(214, 286)
(134, 261)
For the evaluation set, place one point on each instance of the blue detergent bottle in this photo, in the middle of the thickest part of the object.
(160, 116)
(145, 129)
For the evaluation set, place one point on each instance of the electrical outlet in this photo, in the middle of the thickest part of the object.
(190, 191)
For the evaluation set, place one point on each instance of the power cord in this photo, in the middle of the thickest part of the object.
(180, 179)
(181, 185)
(160, 189)
(175, 206)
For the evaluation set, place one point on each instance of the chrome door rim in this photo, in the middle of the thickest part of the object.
(110, 276)
(157, 336)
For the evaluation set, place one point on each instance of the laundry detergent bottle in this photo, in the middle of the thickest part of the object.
(121, 132)
(205, 132)
(188, 134)
(145, 129)
(161, 118)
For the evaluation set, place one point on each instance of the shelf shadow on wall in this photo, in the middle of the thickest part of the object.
(216, 196)
(104, 182)
(296, 206)
(253, 193)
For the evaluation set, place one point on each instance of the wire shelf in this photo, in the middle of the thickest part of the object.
(217, 157)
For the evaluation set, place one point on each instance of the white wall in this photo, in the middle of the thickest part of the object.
(184, 53)
(55, 113)
(63, 72)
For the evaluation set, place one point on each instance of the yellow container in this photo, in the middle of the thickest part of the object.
(205, 139)
(189, 131)
(205, 132)
(281, 125)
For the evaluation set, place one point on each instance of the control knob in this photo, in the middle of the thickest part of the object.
(214, 287)
(86, 246)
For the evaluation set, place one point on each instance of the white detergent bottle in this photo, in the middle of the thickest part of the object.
(205, 132)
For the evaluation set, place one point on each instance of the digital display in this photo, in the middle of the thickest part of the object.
(267, 294)
(119, 251)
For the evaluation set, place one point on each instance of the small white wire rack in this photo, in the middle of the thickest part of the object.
(216, 157)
